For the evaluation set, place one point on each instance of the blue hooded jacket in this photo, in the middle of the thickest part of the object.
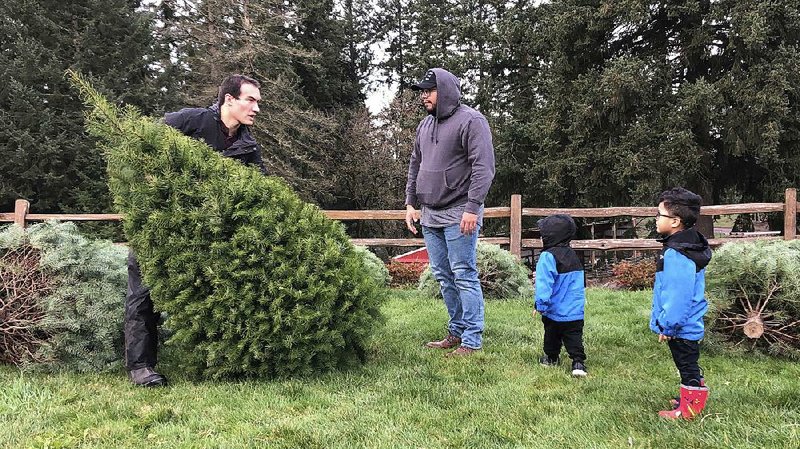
(560, 293)
(679, 302)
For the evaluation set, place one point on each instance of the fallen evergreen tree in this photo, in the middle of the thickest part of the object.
(255, 282)
(502, 276)
(61, 299)
(754, 294)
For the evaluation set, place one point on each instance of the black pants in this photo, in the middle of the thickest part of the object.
(570, 333)
(686, 353)
(141, 321)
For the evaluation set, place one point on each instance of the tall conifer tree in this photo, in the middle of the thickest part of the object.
(622, 100)
(45, 155)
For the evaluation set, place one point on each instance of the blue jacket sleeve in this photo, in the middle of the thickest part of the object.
(677, 290)
(545, 280)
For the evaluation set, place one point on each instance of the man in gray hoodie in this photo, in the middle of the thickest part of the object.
(451, 170)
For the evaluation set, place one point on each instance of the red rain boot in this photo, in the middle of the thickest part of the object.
(693, 401)
(676, 401)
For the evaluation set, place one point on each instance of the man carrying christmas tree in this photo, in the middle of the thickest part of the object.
(224, 126)
(451, 170)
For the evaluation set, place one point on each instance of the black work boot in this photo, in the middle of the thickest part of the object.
(146, 377)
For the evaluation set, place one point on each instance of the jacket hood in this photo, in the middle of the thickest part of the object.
(448, 99)
(448, 93)
(691, 244)
(557, 230)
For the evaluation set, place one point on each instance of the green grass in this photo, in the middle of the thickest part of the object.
(409, 396)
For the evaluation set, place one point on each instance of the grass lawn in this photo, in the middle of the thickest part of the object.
(409, 396)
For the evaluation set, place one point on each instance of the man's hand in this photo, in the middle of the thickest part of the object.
(412, 215)
(469, 222)
(662, 338)
(533, 314)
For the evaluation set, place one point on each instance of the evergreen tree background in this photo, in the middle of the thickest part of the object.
(45, 155)
(637, 96)
(592, 103)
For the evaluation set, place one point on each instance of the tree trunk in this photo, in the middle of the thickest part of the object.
(754, 326)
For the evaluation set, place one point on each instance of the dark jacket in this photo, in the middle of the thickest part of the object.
(205, 124)
(560, 293)
(679, 302)
(453, 158)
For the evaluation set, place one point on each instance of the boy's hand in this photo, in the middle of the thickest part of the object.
(662, 338)
(533, 315)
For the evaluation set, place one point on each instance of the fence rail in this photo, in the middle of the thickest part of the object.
(514, 214)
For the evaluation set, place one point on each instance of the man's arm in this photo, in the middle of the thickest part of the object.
(182, 121)
(411, 179)
(480, 154)
(412, 215)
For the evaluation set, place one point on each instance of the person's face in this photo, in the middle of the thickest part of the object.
(244, 108)
(666, 223)
(428, 97)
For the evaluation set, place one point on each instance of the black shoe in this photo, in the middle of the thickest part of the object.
(579, 369)
(545, 360)
(146, 377)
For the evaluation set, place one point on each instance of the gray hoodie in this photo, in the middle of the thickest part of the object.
(453, 159)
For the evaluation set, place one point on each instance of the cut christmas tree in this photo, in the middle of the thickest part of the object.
(754, 291)
(61, 299)
(255, 282)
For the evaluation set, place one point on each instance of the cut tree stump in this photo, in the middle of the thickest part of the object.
(754, 326)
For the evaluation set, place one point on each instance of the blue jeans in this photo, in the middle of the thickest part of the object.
(453, 260)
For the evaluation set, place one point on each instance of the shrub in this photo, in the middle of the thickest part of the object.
(754, 291)
(62, 299)
(405, 274)
(374, 266)
(255, 282)
(635, 275)
(502, 276)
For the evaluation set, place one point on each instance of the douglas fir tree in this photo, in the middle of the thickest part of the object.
(254, 281)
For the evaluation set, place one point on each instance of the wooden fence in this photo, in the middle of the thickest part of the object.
(514, 214)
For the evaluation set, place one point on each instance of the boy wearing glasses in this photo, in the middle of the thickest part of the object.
(679, 302)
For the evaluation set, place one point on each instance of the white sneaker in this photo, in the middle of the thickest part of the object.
(579, 369)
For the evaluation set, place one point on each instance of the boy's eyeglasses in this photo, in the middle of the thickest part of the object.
(659, 215)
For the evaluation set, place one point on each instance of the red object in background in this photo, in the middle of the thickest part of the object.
(419, 255)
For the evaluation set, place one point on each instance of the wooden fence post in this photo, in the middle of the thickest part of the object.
(515, 229)
(20, 211)
(790, 214)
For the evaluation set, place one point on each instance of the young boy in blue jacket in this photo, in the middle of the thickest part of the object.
(679, 301)
(560, 294)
